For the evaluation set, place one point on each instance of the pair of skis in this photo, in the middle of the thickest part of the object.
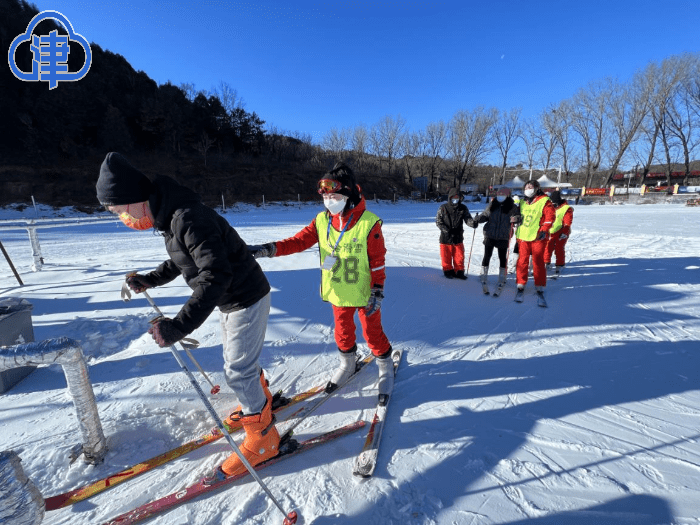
(499, 288)
(288, 447)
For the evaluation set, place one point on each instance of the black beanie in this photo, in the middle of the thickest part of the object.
(555, 197)
(343, 174)
(120, 183)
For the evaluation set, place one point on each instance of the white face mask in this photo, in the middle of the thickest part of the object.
(500, 198)
(455, 201)
(529, 192)
(334, 202)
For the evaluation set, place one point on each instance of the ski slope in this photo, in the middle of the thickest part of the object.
(586, 412)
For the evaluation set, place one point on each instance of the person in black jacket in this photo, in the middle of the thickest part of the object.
(450, 219)
(217, 265)
(497, 232)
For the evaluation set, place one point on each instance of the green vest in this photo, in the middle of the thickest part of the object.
(559, 220)
(531, 214)
(348, 282)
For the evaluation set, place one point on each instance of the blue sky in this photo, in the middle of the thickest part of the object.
(309, 66)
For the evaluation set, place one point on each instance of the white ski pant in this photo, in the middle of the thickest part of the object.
(243, 334)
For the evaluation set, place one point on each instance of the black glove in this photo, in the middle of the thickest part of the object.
(164, 332)
(475, 221)
(541, 236)
(375, 301)
(262, 250)
(139, 283)
(516, 219)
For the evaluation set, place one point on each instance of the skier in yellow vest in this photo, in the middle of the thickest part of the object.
(352, 252)
(536, 219)
(559, 234)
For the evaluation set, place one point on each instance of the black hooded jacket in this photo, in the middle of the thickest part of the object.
(451, 218)
(497, 218)
(207, 251)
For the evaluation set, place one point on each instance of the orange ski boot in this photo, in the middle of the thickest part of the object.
(260, 444)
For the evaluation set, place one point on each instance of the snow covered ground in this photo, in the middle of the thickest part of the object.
(587, 412)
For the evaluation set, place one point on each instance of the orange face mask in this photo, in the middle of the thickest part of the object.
(139, 222)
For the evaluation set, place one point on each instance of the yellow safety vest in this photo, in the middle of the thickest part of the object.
(348, 282)
(531, 214)
(559, 220)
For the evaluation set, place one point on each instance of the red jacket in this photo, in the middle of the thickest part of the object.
(376, 250)
(548, 214)
(566, 220)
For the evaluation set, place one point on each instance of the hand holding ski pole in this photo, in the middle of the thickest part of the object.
(166, 334)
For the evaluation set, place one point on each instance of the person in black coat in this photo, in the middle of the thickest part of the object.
(450, 219)
(497, 232)
(217, 265)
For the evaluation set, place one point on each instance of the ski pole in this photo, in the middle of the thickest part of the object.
(510, 236)
(214, 388)
(470, 251)
(289, 517)
(126, 296)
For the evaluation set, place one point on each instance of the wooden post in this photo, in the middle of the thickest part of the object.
(9, 261)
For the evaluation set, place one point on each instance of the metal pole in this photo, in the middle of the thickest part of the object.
(470, 251)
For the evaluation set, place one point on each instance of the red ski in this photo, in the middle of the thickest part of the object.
(175, 499)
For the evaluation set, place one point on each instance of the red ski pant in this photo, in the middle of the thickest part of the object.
(345, 337)
(555, 246)
(452, 256)
(534, 249)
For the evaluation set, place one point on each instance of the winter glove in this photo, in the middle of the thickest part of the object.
(375, 301)
(541, 236)
(516, 219)
(164, 332)
(474, 222)
(263, 250)
(563, 236)
(139, 283)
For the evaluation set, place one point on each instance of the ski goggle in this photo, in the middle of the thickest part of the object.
(329, 186)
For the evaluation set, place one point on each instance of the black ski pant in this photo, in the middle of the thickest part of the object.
(501, 246)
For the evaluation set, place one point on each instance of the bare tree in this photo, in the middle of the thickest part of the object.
(336, 142)
(626, 110)
(682, 120)
(204, 144)
(561, 128)
(435, 139)
(384, 139)
(506, 133)
(588, 122)
(528, 135)
(545, 134)
(411, 146)
(662, 80)
(189, 90)
(228, 96)
(469, 140)
(359, 143)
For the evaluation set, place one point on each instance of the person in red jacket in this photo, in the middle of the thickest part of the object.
(559, 234)
(535, 220)
(352, 252)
